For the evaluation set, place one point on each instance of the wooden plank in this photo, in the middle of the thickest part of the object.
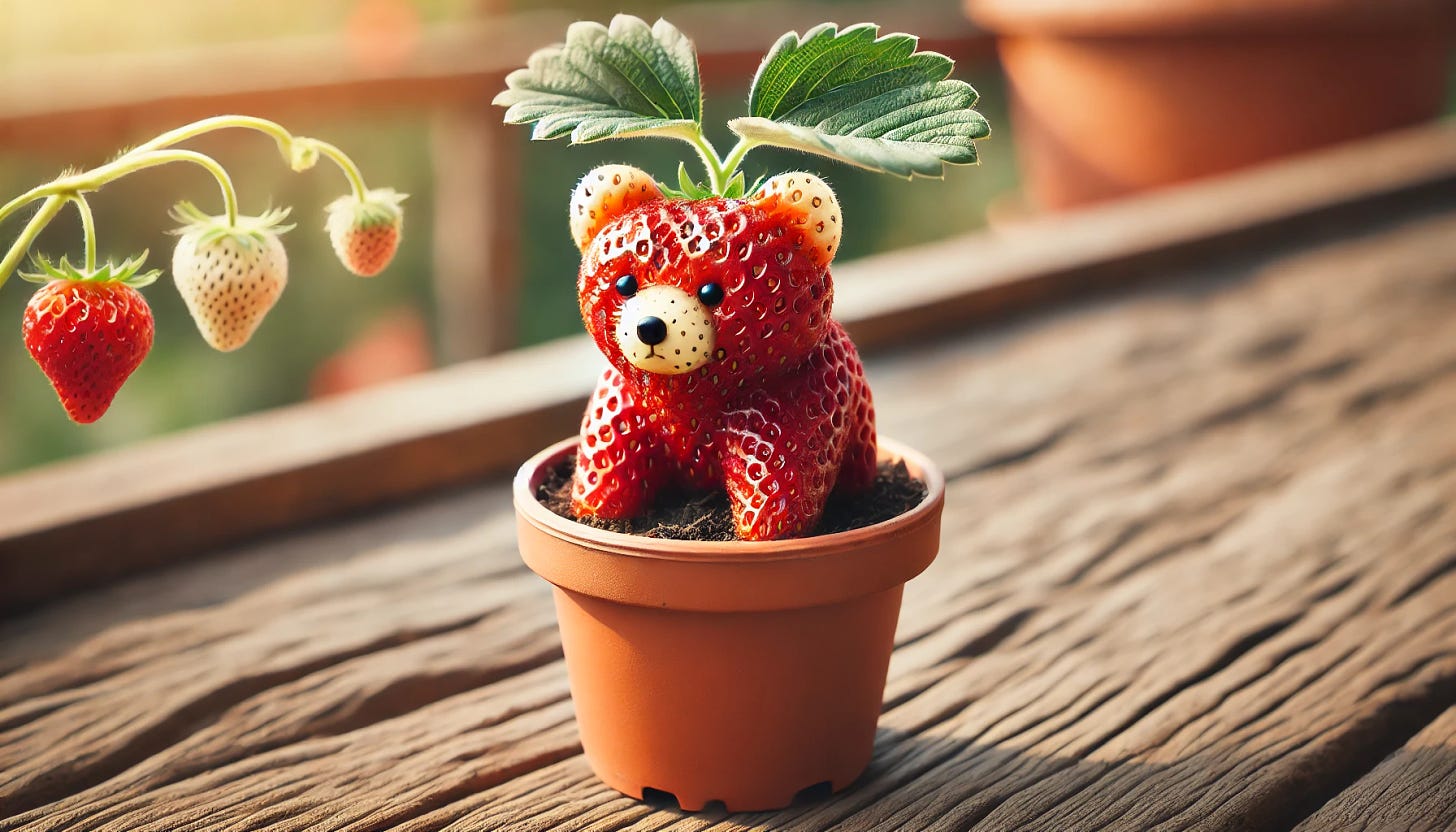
(1413, 789)
(1197, 574)
(275, 469)
(198, 582)
(223, 483)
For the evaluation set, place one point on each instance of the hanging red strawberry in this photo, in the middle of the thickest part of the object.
(88, 331)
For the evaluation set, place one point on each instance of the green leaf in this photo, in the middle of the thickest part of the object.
(628, 79)
(686, 187)
(870, 101)
(734, 190)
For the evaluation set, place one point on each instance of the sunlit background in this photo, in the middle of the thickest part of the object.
(75, 87)
(82, 79)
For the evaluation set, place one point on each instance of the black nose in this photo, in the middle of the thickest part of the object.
(651, 331)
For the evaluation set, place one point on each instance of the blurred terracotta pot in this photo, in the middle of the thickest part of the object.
(732, 671)
(1111, 97)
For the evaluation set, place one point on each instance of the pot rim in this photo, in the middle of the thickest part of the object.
(529, 476)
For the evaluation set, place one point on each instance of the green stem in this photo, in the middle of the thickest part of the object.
(298, 151)
(279, 133)
(716, 180)
(351, 170)
(95, 178)
(62, 190)
(88, 228)
(735, 157)
(42, 218)
(24, 199)
(720, 171)
(286, 142)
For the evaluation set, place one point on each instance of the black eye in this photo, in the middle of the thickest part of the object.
(626, 285)
(711, 294)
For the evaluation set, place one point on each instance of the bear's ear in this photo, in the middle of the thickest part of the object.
(604, 194)
(810, 207)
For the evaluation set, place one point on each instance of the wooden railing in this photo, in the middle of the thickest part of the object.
(448, 75)
(208, 487)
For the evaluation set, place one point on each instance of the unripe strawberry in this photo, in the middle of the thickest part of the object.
(365, 232)
(88, 331)
(229, 276)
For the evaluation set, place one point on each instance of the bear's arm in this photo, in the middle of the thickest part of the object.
(776, 466)
(788, 445)
(619, 465)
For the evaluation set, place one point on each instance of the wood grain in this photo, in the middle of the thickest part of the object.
(224, 483)
(1197, 574)
(1412, 789)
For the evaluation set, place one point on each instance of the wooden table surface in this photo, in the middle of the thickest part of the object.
(1198, 571)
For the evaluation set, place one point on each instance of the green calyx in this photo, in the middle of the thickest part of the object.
(128, 271)
(248, 231)
(850, 94)
(689, 189)
(380, 206)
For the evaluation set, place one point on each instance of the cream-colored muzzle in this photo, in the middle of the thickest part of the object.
(688, 325)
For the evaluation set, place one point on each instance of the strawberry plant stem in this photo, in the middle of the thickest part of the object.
(351, 170)
(717, 181)
(88, 228)
(720, 171)
(95, 178)
(298, 151)
(75, 184)
(735, 158)
(284, 138)
(42, 218)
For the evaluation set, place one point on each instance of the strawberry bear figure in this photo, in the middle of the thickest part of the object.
(727, 370)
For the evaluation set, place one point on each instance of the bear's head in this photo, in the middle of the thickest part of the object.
(722, 292)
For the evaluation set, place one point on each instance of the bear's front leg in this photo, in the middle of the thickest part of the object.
(779, 464)
(619, 465)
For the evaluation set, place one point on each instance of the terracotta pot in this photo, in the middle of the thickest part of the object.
(732, 671)
(1110, 97)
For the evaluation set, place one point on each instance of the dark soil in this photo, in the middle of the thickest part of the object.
(682, 515)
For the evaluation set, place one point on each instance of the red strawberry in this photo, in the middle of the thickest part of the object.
(88, 331)
(727, 368)
(229, 275)
(365, 232)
